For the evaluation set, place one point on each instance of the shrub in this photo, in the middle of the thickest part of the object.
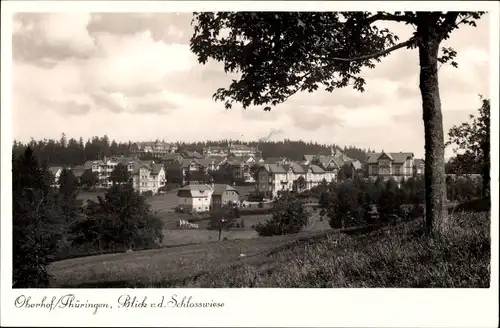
(288, 217)
(122, 219)
(342, 206)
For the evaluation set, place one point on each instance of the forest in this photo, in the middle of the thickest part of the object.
(71, 152)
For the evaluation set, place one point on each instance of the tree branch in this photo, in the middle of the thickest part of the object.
(388, 17)
(374, 55)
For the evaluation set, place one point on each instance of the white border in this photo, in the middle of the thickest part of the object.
(255, 307)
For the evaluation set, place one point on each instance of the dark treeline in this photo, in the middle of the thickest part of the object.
(71, 152)
(75, 152)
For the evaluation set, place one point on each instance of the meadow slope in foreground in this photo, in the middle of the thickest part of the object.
(399, 256)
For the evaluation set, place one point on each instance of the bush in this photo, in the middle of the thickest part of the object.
(288, 217)
(122, 219)
(147, 193)
(343, 206)
(255, 197)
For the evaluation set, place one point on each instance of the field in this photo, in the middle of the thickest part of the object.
(164, 206)
(400, 256)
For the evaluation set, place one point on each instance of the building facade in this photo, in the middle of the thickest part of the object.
(386, 165)
(145, 175)
(204, 198)
(155, 148)
(273, 178)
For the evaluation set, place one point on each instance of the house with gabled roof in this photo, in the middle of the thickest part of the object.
(386, 165)
(195, 197)
(222, 195)
(272, 178)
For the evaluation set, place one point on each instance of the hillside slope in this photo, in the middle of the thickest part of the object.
(400, 256)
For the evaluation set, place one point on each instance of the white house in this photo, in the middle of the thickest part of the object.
(276, 177)
(195, 197)
(148, 177)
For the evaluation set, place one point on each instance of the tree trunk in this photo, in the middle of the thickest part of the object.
(220, 232)
(435, 177)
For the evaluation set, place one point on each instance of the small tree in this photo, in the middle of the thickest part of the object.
(120, 174)
(389, 205)
(89, 179)
(288, 216)
(301, 183)
(223, 219)
(36, 223)
(472, 145)
(343, 205)
(68, 193)
(122, 219)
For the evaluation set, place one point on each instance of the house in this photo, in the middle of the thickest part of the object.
(207, 164)
(386, 165)
(272, 178)
(222, 195)
(356, 169)
(216, 151)
(158, 176)
(330, 163)
(419, 167)
(231, 149)
(171, 159)
(241, 167)
(195, 197)
(218, 161)
(191, 154)
(55, 171)
(155, 148)
(146, 175)
(148, 178)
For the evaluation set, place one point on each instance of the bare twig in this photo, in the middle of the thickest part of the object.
(388, 17)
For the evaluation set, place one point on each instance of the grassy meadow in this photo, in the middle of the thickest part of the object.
(399, 256)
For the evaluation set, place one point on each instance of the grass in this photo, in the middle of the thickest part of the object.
(400, 256)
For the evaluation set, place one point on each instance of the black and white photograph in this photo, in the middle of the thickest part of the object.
(263, 148)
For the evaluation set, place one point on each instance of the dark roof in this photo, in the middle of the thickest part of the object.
(219, 189)
(156, 168)
(357, 165)
(395, 157)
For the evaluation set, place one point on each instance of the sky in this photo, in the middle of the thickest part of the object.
(133, 77)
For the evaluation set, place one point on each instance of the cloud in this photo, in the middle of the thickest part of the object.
(133, 77)
(167, 27)
(38, 37)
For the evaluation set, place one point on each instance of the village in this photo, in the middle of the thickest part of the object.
(206, 181)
